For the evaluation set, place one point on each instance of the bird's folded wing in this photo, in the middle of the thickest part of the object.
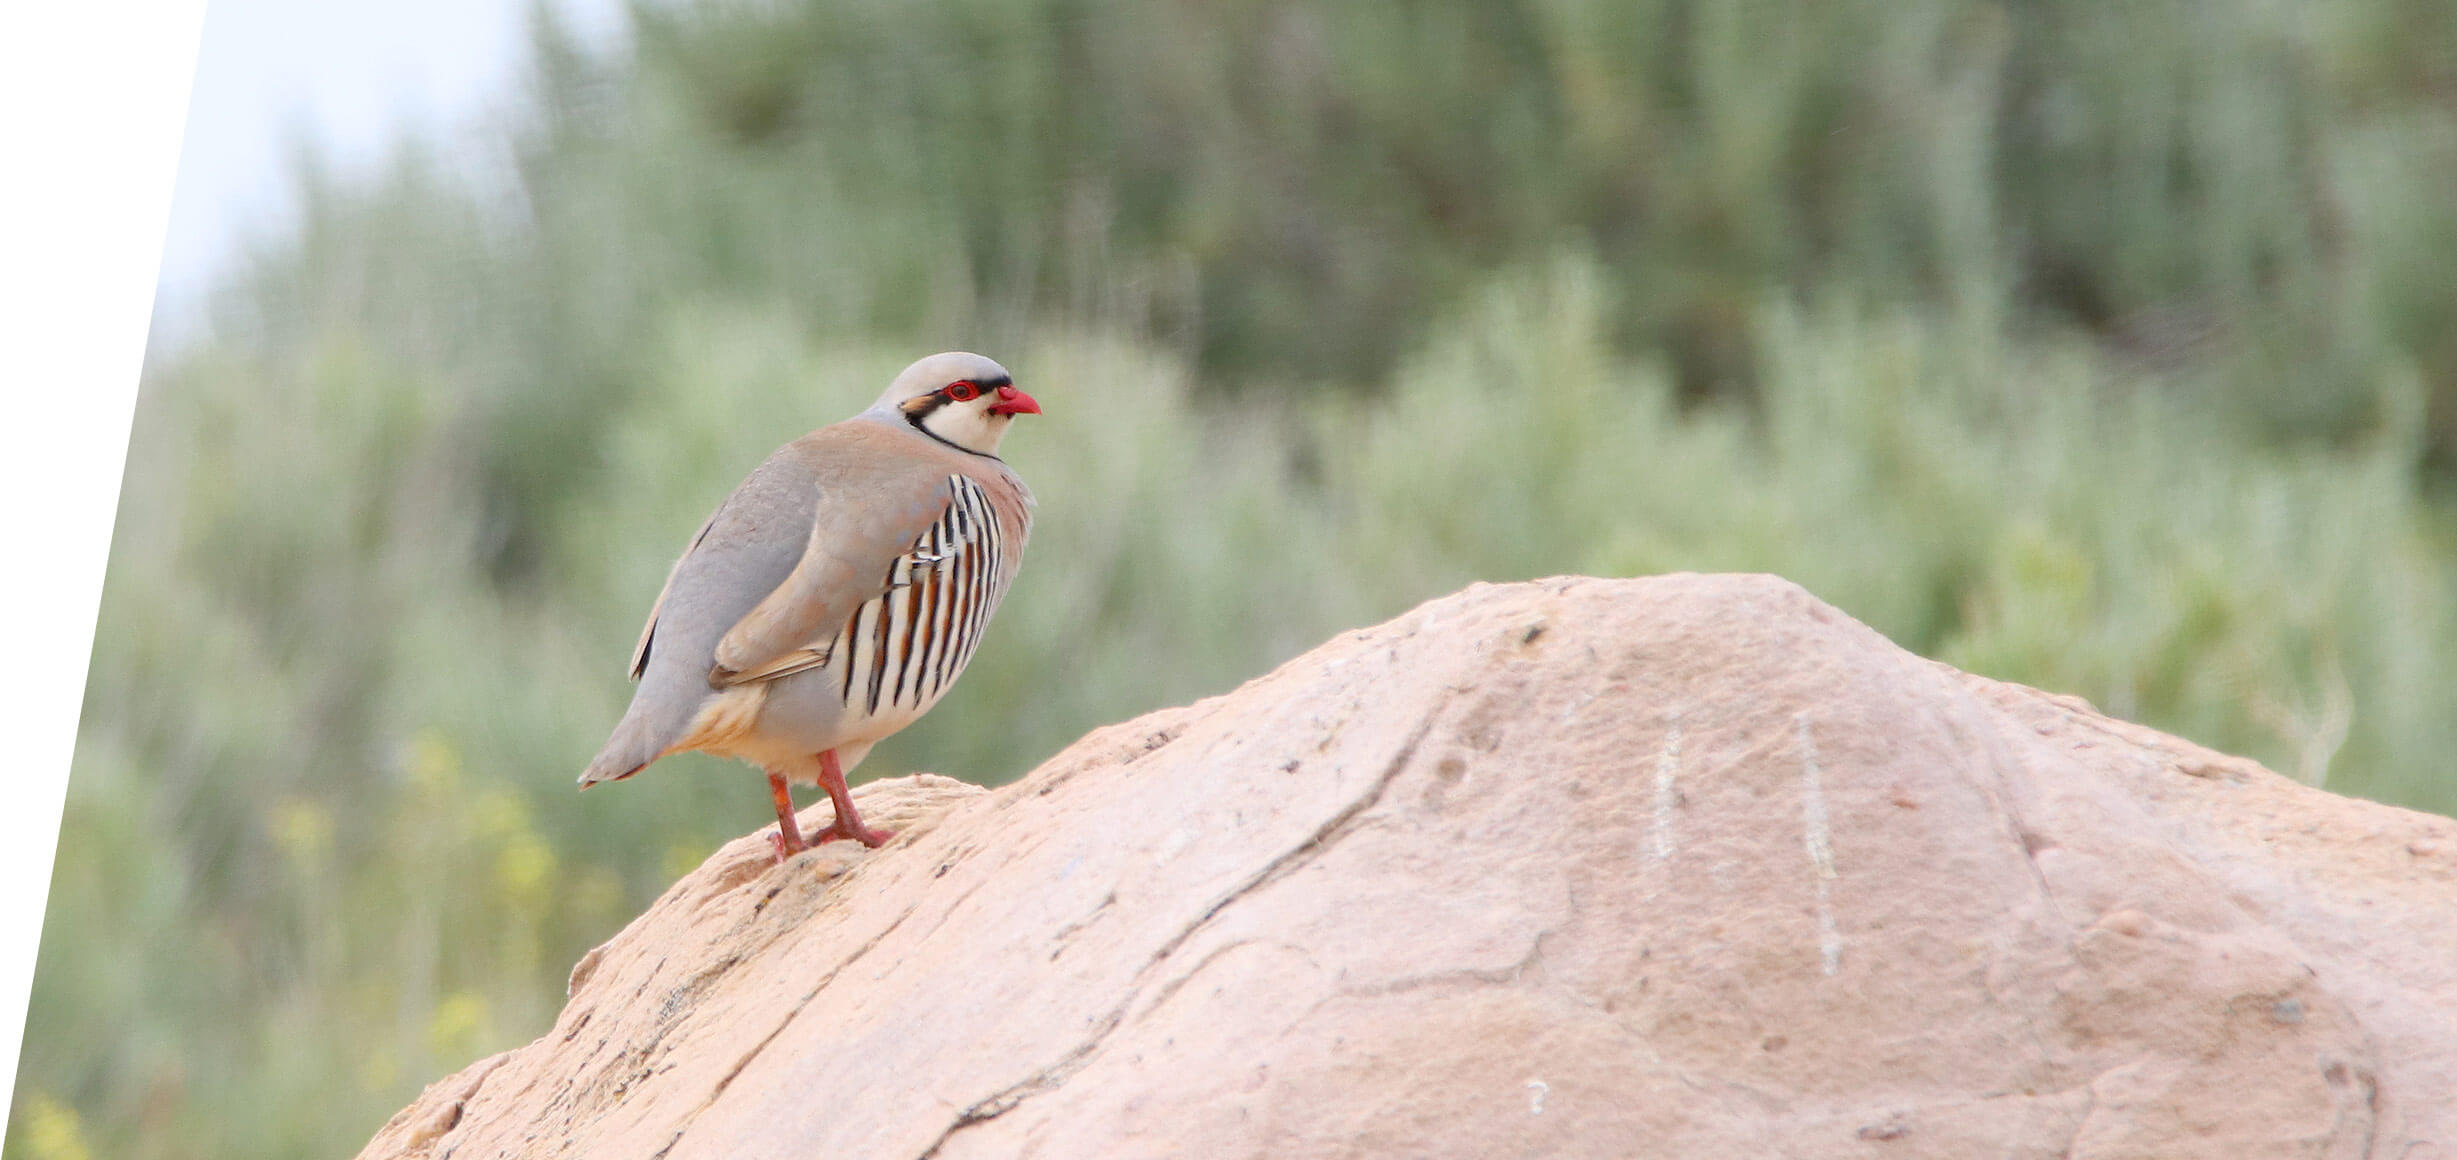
(856, 551)
(648, 631)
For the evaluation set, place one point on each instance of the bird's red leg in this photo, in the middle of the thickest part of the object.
(788, 834)
(848, 823)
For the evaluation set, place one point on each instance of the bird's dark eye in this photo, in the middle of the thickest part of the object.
(963, 390)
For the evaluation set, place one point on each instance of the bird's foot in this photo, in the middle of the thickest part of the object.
(788, 836)
(848, 823)
(857, 831)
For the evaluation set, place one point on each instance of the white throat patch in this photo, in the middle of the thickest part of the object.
(969, 425)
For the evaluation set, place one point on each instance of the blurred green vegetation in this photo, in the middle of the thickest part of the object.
(2110, 348)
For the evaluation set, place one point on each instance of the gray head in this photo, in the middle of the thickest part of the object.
(956, 398)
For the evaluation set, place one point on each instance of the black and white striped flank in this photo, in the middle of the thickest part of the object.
(907, 645)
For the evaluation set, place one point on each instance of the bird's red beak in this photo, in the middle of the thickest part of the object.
(1014, 402)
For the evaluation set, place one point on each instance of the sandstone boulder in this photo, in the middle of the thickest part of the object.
(1683, 866)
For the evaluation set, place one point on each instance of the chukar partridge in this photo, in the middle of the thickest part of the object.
(837, 594)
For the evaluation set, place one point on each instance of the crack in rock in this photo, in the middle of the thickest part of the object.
(1463, 976)
(727, 1080)
(1170, 989)
(1324, 836)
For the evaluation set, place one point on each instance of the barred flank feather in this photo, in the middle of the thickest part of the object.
(906, 646)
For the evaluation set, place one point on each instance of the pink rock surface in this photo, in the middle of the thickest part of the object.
(1681, 866)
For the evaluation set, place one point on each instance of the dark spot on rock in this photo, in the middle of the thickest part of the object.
(1775, 1043)
(1150, 744)
(1450, 770)
(2288, 1011)
(1893, 1127)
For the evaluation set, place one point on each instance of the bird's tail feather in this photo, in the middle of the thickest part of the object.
(627, 752)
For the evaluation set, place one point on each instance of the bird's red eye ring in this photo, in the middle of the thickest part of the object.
(963, 390)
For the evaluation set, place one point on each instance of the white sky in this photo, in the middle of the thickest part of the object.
(348, 75)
